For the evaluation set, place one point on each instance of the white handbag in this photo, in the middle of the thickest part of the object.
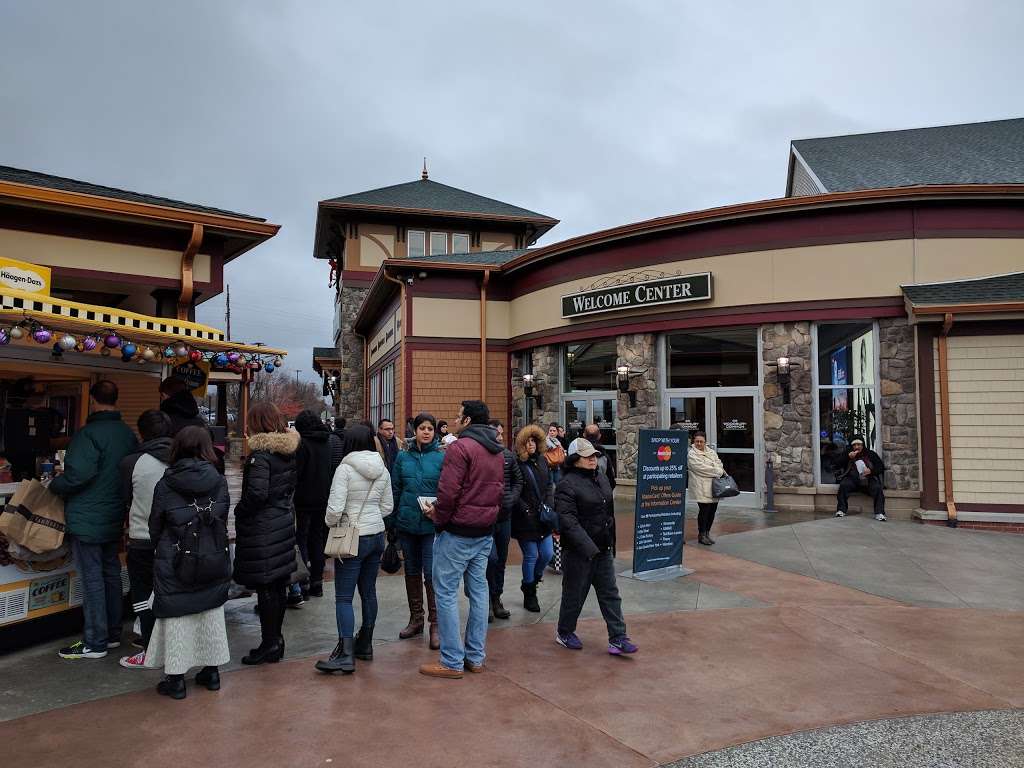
(343, 540)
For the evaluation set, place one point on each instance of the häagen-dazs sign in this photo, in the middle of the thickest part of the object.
(666, 290)
(22, 276)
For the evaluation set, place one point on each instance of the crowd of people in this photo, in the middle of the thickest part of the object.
(450, 495)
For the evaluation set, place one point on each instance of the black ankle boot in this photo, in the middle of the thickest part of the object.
(341, 658)
(173, 686)
(265, 654)
(209, 677)
(499, 610)
(363, 647)
(530, 597)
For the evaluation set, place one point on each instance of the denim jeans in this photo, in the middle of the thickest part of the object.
(417, 553)
(536, 556)
(578, 576)
(455, 557)
(358, 572)
(498, 557)
(100, 571)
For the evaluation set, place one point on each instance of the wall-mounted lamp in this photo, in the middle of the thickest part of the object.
(783, 368)
(528, 382)
(622, 373)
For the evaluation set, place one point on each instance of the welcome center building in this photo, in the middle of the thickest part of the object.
(883, 296)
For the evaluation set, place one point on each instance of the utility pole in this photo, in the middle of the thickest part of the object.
(297, 372)
(227, 312)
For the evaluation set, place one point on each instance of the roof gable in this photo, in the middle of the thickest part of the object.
(973, 153)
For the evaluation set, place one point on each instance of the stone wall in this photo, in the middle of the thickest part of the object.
(639, 352)
(898, 428)
(788, 428)
(545, 371)
(352, 383)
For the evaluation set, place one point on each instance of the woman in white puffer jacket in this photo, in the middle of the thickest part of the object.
(704, 466)
(360, 496)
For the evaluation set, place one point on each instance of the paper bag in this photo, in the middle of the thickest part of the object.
(34, 518)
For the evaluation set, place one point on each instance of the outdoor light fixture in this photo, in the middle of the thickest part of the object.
(784, 368)
(623, 378)
(528, 382)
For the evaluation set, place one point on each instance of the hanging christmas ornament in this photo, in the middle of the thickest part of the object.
(68, 342)
(129, 350)
(41, 335)
(125, 358)
(233, 357)
(168, 351)
(148, 354)
(89, 343)
(220, 360)
(112, 341)
(181, 351)
(278, 362)
(17, 332)
(195, 356)
(269, 367)
(5, 337)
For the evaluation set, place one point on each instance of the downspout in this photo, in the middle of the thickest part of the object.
(947, 448)
(483, 335)
(187, 260)
(406, 364)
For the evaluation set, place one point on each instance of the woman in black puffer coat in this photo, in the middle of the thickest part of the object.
(314, 473)
(534, 537)
(191, 566)
(265, 525)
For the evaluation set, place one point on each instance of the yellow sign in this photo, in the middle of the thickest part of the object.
(22, 276)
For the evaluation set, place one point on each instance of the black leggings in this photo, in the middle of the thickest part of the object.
(272, 601)
(706, 516)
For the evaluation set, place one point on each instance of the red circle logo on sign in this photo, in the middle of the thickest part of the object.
(664, 453)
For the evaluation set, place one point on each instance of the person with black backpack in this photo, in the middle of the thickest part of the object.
(192, 566)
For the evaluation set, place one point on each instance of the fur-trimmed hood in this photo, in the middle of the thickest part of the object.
(524, 434)
(285, 443)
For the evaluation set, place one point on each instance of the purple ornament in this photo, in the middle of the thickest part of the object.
(5, 337)
(233, 357)
(112, 341)
(41, 335)
(89, 343)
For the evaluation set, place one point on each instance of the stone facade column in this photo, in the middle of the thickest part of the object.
(639, 352)
(788, 428)
(351, 386)
(545, 371)
(898, 384)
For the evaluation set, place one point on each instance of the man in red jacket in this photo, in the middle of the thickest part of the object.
(468, 501)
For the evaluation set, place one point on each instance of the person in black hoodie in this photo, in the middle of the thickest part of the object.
(265, 525)
(177, 402)
(583, 501)
(870, 481)
(503, 528)
(190, 514)
(313, 472)
(140, 473)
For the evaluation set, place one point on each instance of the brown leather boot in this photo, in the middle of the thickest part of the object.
(435, 639)
(414, 592)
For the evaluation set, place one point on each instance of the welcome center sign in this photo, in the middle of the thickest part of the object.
(666, 290)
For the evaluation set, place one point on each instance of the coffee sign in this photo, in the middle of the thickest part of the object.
(666, 290)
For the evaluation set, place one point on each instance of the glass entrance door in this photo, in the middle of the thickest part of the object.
(580, 410)
(727, 416)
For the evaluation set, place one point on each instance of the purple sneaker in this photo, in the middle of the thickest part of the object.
(569, 641)
(621, 644)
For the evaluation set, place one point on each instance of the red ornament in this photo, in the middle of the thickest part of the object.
(195, 355)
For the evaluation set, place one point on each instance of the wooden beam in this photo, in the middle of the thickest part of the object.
(947, 448)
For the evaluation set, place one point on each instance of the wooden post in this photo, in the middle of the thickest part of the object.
(947, 448)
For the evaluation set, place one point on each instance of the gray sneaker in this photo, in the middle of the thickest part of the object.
(880, 517)
(840, 513)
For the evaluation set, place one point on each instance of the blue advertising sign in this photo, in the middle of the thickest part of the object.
(660, 499)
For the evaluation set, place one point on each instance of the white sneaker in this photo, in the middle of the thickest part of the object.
(138, 661)
(880, 517)
(840, 513)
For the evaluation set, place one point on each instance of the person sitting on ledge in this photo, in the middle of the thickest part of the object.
(864, 472)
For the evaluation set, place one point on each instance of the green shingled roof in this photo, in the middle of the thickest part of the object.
(45, 180)
(480, 257)
(427, 195)
(973, 153)
(982, 290)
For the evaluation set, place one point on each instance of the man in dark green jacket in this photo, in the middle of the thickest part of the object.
(94, 512)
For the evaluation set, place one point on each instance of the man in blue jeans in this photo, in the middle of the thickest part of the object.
(94, 511)
(468, 501)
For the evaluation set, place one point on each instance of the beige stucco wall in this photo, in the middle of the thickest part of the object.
(76, 253)
(376, 243)
(823, 272)
(986, 419)
(447, 318)
(496, 241)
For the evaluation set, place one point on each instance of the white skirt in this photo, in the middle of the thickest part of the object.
(183, 642)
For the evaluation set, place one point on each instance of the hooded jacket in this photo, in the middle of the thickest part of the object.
(141, 470)
(472, 483)
(188, 485)
(265, 517)
(513, 477)
(361, 493)
(313, 470)
(184, 412)
(526, 523)
(583, 500)
(91, 482)
(415, 473)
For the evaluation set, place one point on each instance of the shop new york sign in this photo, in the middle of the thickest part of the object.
(666, 290)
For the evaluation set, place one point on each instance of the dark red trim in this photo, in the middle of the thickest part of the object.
(119, 277)
(756, 314)
(508, 400)
(1001, 509)
(926, 402)
(441, 344)
(355, 278)
(407, 359)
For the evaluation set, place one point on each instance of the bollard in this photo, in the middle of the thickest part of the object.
(769, 486)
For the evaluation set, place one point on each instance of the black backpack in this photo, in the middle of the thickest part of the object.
(201, 555)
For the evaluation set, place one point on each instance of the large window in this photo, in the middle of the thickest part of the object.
(590, 365)
(725, 357)
(846, 392)
(438, 243)
(417, 243)
(460, 243)
(382, 394)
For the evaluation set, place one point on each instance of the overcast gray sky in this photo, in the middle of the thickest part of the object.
(595, 113)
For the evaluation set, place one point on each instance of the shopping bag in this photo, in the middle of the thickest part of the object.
(390, 562)
(34, 518)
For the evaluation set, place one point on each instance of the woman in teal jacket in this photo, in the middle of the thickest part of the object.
(415, 473)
